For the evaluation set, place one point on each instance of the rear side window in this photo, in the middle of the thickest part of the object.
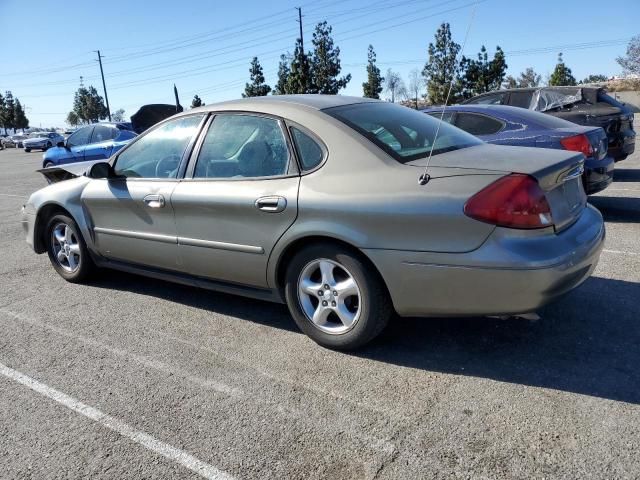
(491, 99)
(520, 99)
(477, 124)
(309, 152)
(447, 117)
(405, 134)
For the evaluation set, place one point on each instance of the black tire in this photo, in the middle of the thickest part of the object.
(85, 266)
(48, 164)
(374, 305)
(28, 150)
(47, 147)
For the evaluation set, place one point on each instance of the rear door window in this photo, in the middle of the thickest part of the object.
(447, 117)
(102, 133)
(477, 124)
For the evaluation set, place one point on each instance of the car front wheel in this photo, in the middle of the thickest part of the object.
(47, 147)
(336, 297)
(28, 150)
(67, 251)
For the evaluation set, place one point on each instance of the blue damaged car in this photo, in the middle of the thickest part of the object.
(91, 142)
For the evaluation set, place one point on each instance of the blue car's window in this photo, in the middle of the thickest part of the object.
(80, 137)
(403, 133)
(102, 133)
(158, 153)
(477, 124)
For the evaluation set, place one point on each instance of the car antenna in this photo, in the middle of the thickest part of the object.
(425, 177)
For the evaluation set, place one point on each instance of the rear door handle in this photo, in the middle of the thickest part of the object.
(154, 201)
(271, 204)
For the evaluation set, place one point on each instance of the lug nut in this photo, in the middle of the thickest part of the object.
(333, 304)
(320, 292)
(335, 293)
(324, 303)
(326, 287)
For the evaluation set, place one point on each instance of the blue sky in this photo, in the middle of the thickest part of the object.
(205, 46)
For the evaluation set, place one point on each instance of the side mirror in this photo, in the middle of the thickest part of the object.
(100, 170)
(60, 144)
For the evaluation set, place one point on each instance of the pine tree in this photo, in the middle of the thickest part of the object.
(529, 78)
(442, 69)
(482, 75)
(3, 113)
(21, 120)
(373, 86)
(561, 74)
(10, 111)
(284, 71)
(196, 102)
(257, 87)
(325, 63)
(88, 105)
(299, 79)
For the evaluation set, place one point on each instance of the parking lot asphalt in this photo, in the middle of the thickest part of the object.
(129, 377)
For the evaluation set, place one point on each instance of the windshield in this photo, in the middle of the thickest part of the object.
(403, 133)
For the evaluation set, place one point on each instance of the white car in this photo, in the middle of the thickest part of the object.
(42, 141)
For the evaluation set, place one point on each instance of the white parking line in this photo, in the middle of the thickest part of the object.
(620, 252)
(146, 361)
(179, 456)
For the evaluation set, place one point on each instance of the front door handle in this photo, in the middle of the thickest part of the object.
(154, 201)
(271, 204)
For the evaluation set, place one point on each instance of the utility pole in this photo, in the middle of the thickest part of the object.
(300, 22)
(104, 85)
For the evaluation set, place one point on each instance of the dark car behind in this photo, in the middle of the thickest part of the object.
(589, 106)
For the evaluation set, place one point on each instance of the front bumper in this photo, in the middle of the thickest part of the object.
(28, 220)
(512, 272)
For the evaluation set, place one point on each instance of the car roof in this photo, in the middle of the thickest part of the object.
(312, 101)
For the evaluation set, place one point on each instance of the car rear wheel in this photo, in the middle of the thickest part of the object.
(27, 150)
(67, 251)
(47, 147)
(335, 297)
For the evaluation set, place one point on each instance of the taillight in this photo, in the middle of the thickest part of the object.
(578, 143)
(514, 201)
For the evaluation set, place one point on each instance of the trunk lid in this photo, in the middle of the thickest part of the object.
(558, 173)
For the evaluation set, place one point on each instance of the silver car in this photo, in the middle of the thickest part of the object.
(315, 201)
(42, 141)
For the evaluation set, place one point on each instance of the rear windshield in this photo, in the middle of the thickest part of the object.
(403, 133)
(543, 120)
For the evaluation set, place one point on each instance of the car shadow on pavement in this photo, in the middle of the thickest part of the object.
(618, 209)
(587, 342)
(626, 174)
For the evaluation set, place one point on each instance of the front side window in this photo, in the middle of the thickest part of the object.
(158, 153)
(80, 137)
(242, 146)
(309, 151)
(102, 133)
(476, 124)
(403, 133)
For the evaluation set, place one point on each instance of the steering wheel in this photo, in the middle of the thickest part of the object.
(167, 166)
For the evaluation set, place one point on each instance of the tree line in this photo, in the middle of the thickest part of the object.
(318, 71)
(12, 114)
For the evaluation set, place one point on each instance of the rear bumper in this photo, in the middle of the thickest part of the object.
(623, 144)
(512, 272)
(598, 174)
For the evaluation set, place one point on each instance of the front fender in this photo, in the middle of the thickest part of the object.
(65, 195)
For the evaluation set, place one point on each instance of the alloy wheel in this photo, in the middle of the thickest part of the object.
(329, 296)
(66, 248)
